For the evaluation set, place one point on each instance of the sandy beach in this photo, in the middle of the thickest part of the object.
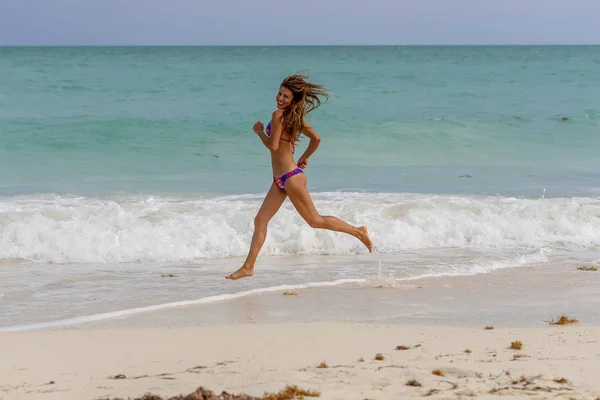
(263, 342)
(253, 359)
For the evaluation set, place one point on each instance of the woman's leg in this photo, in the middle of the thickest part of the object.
(296, 190)
(271, 204)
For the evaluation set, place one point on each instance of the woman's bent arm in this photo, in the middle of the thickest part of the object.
(315, 141)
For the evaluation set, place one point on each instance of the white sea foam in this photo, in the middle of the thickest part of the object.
(171, 229)
(205, 300)
(483, 266)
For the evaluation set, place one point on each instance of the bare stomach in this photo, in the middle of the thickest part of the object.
(282, 162)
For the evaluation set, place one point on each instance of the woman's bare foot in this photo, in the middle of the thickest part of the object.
(243, 272)
(364, 237)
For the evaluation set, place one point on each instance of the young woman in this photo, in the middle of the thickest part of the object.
(295, 99)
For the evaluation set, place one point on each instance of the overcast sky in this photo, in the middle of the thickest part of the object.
(293, 22)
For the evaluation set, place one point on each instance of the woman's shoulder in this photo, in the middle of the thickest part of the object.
(277, 116)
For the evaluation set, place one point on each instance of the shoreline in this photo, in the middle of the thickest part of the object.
(166, 362)
(520, 297)
(507, 297)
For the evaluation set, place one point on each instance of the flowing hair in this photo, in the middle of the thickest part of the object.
(306, 98)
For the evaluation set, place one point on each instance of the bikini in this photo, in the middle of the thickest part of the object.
(280, 182)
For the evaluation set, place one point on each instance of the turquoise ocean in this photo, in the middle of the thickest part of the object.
(119, 165)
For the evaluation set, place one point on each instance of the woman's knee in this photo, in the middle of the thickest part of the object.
(260, 221)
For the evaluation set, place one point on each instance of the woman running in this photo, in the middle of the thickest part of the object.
(295, 99)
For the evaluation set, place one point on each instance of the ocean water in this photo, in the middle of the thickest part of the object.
(119, 165)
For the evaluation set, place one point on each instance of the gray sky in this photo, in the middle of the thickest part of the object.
(290, 22)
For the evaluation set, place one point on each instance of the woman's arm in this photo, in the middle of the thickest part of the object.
(271, 143)
(315, 140)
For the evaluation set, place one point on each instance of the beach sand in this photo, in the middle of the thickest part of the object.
(261, 343)
(254, 358)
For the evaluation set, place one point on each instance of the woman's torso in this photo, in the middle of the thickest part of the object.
(282, 159)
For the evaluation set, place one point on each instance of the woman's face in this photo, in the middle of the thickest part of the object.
(284, 98)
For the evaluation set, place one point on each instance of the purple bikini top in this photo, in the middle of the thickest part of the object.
(268, 133)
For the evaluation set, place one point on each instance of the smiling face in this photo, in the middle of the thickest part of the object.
(284, 98)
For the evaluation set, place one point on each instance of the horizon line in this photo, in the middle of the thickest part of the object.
(304, 45)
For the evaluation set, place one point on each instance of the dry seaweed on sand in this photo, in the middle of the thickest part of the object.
(588, 268)
(379, 357)
(288, 393)
(523, 379)
(438, 372)
(563, 320)
(402, 347)
(413, 383)
(516, 345)
(489, 328)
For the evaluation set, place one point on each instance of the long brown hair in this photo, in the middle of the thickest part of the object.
(306, 99)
